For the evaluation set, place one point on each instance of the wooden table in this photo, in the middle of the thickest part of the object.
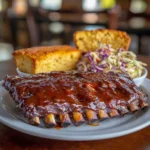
(12, 139)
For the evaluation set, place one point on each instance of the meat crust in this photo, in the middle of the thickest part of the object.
(76, 94)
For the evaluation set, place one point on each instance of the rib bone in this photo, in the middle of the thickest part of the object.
(102, 114)
(123, 110)
(50, 120)
(35, 121)
(78, 118)
(113, 113)
(65, 120)
(91, 116)
(143, 104)
(133, 107)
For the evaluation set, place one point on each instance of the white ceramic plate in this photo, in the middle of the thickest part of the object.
(107, 129)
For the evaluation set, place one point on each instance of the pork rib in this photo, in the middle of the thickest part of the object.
(81, 97)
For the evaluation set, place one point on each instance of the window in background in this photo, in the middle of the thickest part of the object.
(51, 4)
(138, 6)
(89, 5)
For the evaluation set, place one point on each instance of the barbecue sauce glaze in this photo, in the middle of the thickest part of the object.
(65, 92)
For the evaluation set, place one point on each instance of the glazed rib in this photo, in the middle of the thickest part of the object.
(74, 97)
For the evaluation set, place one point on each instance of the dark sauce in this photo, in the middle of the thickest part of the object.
(60, 92)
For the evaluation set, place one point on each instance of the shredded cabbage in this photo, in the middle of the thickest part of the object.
(107, 59)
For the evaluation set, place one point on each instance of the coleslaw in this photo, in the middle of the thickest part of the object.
(107, 59)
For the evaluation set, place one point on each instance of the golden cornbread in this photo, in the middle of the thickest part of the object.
(91, 40)
(47, 58)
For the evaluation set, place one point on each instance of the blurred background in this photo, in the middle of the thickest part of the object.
(26, 23)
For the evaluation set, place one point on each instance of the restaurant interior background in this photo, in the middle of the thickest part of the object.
(26, 23)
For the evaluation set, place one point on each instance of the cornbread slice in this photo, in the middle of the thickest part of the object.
(45, 59)
(91, 40)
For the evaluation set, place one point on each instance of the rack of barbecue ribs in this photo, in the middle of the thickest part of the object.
(67, 98)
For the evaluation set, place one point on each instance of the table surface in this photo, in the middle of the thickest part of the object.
(12, 139)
